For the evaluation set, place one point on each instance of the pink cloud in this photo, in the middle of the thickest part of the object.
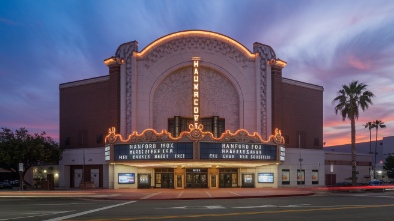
(360, 65)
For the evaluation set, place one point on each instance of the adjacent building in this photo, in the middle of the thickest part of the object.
(371, 156)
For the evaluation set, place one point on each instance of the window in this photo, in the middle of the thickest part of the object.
(287, 140)
(99, 138)
(67, 141)
(208, 123)
(316, 142)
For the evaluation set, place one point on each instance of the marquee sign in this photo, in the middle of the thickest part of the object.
(153, 151)
(239, 151)
(195, 144)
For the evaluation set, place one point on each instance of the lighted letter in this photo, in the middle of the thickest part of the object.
(195, 102)
(195, 78)
(195, 94)
(196, 110)
(195, 87)
(195, 64)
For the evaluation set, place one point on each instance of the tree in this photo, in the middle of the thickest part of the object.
(389, 166)
(22, 147)
(376, 124)
(369, 125)
(350, 98)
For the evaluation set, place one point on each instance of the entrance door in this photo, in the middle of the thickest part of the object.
(167, 180)
(196, 178)
(95, 177)
(77, 177)
(225, 180)
(228, 178)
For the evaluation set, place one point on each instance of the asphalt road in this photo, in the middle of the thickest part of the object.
(321, 206)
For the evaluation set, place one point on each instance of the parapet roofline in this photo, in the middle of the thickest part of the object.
(84, 82)
(302, 84)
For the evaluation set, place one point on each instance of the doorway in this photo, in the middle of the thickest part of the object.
(164, 178)
(228, 178)
(196, 178)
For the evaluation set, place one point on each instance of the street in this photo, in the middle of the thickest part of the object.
(321, 206)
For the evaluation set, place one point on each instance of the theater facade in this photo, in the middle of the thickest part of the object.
(193, 109)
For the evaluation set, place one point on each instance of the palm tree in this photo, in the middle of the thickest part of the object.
(350, 98)
(376, 124)
(369, 125)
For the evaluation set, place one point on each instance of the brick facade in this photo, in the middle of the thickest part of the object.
(87, 109)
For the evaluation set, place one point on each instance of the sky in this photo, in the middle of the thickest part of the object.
(324, 42)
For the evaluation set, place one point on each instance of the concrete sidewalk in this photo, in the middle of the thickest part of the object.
(158, 194)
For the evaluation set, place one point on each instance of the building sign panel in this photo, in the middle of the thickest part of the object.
(238, 151)
(107, 152)
(153, 151)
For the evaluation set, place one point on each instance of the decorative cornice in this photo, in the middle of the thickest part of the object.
(113, 61)
(278, 62)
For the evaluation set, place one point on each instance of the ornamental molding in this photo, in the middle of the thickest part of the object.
(125, 52)
(192, 43)
(195, 134)
(265, 55)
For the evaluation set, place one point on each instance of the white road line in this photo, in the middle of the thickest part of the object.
(89, 211)
(36, 214)
(58, 204)
(235, 193)
(208, 194)
(149, 196)
(180, 194)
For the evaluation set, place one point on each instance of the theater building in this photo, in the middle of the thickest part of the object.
(193, 109)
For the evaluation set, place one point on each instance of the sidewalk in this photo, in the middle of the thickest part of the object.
(158, 194)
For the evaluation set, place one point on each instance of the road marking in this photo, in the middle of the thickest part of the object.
(297, 205)
(255, 213)
(58, 204)
(149, 196)
(196, 207)
(37, 214)
(251, 207)
(235, 193)
(180, 194)
(89, 211)
(208, 194)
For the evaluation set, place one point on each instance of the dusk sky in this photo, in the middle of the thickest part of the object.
(326, 43)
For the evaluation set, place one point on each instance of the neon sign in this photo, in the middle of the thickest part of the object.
(196, 90)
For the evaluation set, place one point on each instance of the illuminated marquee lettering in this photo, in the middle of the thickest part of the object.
(196, 90)
(241, 151)
(153, 151)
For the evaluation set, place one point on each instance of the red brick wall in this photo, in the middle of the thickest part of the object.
(88, 111)
(298, 113)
